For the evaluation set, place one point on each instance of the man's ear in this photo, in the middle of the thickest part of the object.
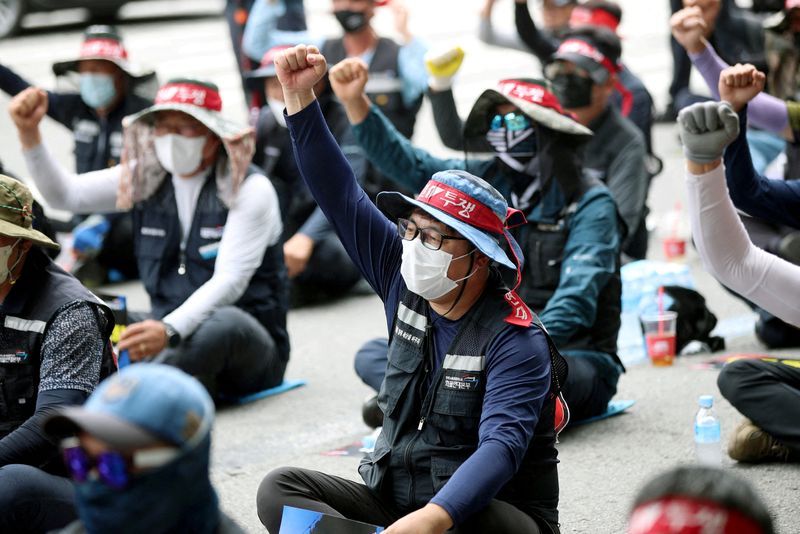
(482, 260)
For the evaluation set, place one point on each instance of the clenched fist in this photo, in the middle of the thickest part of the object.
(348, 79)
(739, 84)
(26, 110)
(689, 29)
(298, 69)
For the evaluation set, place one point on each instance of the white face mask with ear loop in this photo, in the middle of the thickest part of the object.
(5, 255)
(178, 154)
(425, 271)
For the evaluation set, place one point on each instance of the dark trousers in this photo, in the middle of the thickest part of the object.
(767, 393)
(591, 382)
(32, 500)
(312, 490)
(231, 353)
(329, 274)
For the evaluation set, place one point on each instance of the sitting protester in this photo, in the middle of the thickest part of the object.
(55, 349)
(110, 87)
(766, 392)
(138, 453)
(571, 242)
(472, 374)
(207, 229)
(317, 264)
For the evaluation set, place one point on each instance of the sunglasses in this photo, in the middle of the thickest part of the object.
(514, 121)
(112, 468)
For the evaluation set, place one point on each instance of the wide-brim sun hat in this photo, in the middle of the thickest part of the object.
(16, 213)
(478, 212)
(143, 405)
(102, 42)
(532, 97)
(200, 100)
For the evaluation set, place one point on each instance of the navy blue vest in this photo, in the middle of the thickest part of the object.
(157, 240)
(26, 315)
(427, 435)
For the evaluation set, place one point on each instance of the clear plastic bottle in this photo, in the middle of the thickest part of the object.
(707, 433)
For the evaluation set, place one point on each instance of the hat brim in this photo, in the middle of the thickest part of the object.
(597, 72)
(117, 433)
(477, 122)
(71, 65)
(394, 205)
(213, 120)
(35, 236)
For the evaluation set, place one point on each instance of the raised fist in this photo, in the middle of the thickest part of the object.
(706, 129)
(689, 29)
(349, 78)
(299, 68)
(739, 84)
(442, 64)
(28, 108)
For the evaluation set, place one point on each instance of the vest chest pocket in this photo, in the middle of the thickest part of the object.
(402, 365)
(17, 391)
(151, 241)
(546, 246)
(456, 415)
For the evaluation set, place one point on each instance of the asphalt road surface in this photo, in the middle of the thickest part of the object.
(603, 464)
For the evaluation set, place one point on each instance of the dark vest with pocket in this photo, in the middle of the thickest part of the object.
(427, 435)
(385, 87)
(157, 241)
(46, 289)
(543, 247)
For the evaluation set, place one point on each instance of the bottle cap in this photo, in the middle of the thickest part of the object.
(706, 401)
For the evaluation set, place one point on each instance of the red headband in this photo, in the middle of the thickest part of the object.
(104, 48)
(582, 16)
(466, 209)
(681, 515)
(582, 48)
(530, 92)
(189, 93)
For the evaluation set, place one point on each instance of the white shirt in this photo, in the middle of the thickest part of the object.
(253, 224)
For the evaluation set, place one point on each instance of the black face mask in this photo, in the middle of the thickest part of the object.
(573, 91)
(351, 21)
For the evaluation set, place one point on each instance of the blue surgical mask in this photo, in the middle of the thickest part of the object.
(97, 90)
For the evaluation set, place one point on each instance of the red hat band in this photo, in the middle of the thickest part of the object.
(530, 92)
(189, 93)
(582, 16)
(681, 515)
(582, 48)
(103, 48)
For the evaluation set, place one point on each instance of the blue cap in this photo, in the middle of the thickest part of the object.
(706, 401)
(142, 405)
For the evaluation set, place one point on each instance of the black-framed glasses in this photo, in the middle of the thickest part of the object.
(513, 121)
(430, 237)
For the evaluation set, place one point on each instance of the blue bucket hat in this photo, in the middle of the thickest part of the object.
(143, 404)
(474, 209)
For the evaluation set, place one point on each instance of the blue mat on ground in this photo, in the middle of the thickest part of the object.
(615, 407)
(277, 390)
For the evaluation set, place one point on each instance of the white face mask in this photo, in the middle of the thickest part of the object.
(276, 106)
(5, 255)
(179, 154)
(425, 271)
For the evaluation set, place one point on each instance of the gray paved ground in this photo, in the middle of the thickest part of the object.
(602, 464)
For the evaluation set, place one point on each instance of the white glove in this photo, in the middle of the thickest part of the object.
(706, 129)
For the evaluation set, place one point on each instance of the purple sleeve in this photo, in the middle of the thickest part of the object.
(764, 111)
(517, 382)
(368, 236)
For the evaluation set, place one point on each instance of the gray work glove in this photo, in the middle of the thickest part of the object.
(706, 129)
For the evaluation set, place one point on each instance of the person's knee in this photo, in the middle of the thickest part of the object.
(10, 477)
(732, 378)
(370, 362)
(269, 498)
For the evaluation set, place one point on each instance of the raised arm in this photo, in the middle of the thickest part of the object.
(540, 44)
(87, 193)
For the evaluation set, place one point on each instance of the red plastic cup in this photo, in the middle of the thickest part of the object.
(674, 248)
(659, 335)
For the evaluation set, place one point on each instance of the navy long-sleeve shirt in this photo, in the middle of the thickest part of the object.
(776, 201)
(518, 365)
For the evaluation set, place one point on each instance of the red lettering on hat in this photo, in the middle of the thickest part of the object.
(103, 48)
(530, 92)
(582, 48)
(460, 205)
(681, 515)
(189, 93)
(583, 16)
(520, 314)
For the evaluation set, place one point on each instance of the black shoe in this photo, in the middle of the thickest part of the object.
(670, 114)
(371, 412)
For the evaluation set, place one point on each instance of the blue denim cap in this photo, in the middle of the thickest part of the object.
(143, 404)
(395, 205)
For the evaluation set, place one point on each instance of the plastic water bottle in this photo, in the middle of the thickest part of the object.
(707, 433)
